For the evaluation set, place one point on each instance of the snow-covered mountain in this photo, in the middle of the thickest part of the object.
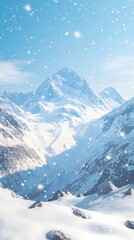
(52, 145)
(51, 116)
(66, 84)
(111, 95)
(63, 102)
(103, 151)
(68, 218)
(65, 95)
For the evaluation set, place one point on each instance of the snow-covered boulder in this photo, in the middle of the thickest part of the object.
(36, 204)
(58, 235)
(130, 191)
(58, 195)
(130, 224)
(79, 213)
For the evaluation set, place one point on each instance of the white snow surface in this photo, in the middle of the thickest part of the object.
(106, 217)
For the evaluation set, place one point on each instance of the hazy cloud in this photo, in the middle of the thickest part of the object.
(11, 72)
(122, 66)
(119, 73)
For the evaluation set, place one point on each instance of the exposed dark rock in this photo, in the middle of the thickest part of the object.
(130, 191)
(36, 204)
(79, 213)
(15, 195)
(80, 195)
(107, 187)
(10, 156)
(58, 235)
(58, 195)
(68, 193)
(130, 224)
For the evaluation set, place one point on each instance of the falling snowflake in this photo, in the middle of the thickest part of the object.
(28, 7)
(66, 33)
(108, 157)
(77, 34)
(40, 186)
(122, 134)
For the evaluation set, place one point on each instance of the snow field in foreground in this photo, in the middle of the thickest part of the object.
(106, 216)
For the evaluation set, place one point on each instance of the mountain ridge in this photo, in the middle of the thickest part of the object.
(64, 82)
(102, 153)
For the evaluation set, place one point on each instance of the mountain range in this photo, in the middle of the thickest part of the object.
(67, 91)
(50, 139)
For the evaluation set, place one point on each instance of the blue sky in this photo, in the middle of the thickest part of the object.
(93, 37)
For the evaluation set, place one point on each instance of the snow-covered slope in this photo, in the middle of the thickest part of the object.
(20, 148)
(26, 140)
(110, 148)
(103, 151)
(105, 217)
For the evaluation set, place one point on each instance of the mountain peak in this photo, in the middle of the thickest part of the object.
(111, 93)
(67, 72)
(68, 77)
(109, 90)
